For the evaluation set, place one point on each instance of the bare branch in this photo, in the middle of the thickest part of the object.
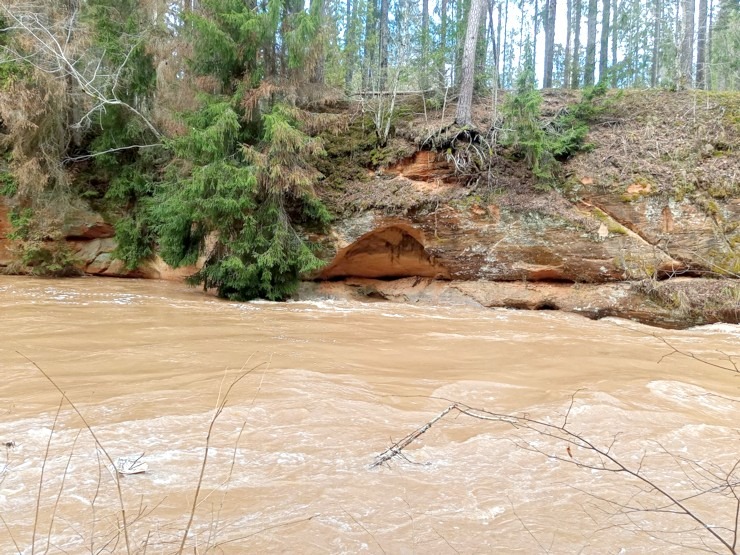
(605, 461)
(220, 405)
(53, 57)
(109, 151)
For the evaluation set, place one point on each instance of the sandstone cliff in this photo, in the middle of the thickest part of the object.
(645, 225)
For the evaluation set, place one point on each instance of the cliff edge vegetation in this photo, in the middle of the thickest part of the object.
(248, 148)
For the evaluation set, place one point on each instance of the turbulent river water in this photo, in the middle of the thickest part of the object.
(328, 385)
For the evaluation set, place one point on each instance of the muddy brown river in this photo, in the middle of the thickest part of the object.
(326, 386)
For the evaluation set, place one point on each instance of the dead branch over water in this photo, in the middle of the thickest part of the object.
(650, 496)
(707, 478)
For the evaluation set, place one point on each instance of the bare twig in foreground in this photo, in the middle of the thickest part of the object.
(220, 405)
(10, 535)
(61, 490)
(41, 479)
(116, 477)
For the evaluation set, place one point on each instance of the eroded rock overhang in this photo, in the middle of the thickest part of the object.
(387, 252)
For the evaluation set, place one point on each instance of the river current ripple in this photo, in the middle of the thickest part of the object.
(327, 385)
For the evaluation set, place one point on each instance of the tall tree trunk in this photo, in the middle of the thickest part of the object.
(657, 30)
(550, 13)
(701, 46)
(481, 50)
(368, 50)
(536, 21)
(349, 45)
(521, 31)
(615, 40)
(443, 44)
(604, 48)
(709, 77)
(463, 115)
(687, 45)
(504, 60)
(498, 47)
(494, 43)
(383, 40)
(460, 17)
(575, 78)
(568, 38)
(424, 77)
(590, 68)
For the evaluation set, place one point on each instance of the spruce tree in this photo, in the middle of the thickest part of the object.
(242, 178)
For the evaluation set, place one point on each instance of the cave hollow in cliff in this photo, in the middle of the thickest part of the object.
(389, 252)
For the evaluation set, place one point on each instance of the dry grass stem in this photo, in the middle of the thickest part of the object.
(124, 525)
(220, 405)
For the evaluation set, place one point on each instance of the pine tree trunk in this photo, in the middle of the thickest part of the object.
(521, 31)
(424, 77)
(708, 77)
(701, 46)
(575, 78)
(550, 11)
(615, 40)
(498, 47)
(481, 51)
(504, 59)
(536, 28)
(686, 79)
(459, 41)
(590, 68)
(383, 40)
(568, 39)
(463, 115)
(349, 45)
(657, 30)
(442, 70)
(368, 51)
(604, 48)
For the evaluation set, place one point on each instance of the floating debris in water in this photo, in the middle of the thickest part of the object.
(131, 465)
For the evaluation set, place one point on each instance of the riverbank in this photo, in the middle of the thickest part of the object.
(676, 304)
(643, 223)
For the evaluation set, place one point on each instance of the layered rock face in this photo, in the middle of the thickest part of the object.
(602, 254)
(91, 241)
(538, 236)
(642, 225)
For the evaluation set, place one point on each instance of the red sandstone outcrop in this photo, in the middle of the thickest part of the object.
(82, 224)
(499, 244)
(392, 250)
